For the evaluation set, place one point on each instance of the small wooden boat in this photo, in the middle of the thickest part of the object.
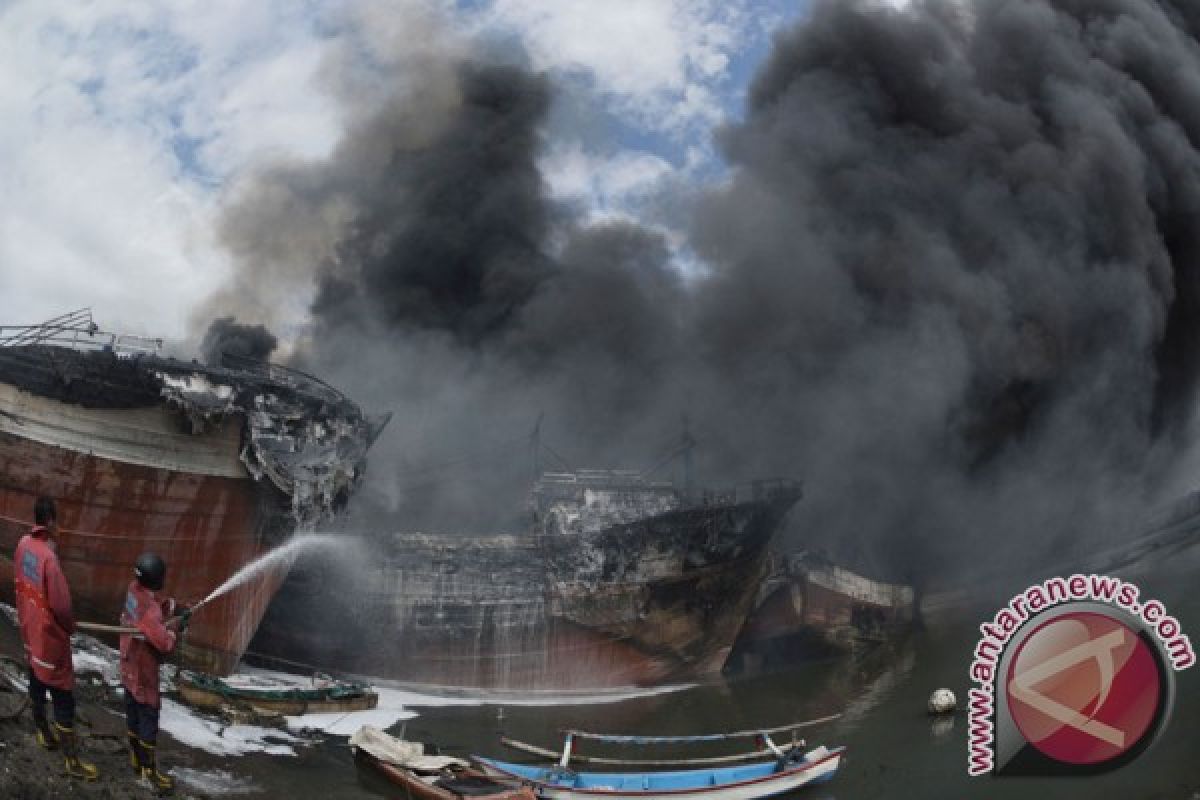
(292, 699)
(779, 770)
(428, 777)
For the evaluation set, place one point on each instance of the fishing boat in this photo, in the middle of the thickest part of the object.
(208, 465)
(771, 771)
(427, 776)
(620, 581)
(810, 607)
(323, 695)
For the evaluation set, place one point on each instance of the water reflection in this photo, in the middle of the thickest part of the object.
(895, 748)
(874, 679)
(855, 686)
(942, 725)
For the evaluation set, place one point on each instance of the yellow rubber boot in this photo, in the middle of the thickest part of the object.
(135, 754)
(76, 766)
(45, 737)
(150, 773)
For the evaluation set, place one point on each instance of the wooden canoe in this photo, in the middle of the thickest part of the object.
(776, 770)
(444, 785)
(206, 691)
(428, 776)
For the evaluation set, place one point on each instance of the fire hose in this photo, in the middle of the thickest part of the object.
(98, 627)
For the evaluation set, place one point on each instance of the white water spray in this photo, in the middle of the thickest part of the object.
(283, 556)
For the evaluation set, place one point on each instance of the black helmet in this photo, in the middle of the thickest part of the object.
(150, 571)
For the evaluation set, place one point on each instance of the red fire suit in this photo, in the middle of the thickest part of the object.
(44, 610)
(140, 658)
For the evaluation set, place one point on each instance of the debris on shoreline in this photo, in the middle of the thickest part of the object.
(196, 747)
(190, 741)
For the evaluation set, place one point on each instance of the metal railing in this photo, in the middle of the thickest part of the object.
(287, 377)
(78, 331)
(750, 491)
(601, 478)
(555, 486)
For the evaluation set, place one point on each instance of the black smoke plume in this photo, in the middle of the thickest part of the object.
(226, 336)
(951, 282)
(449, 236)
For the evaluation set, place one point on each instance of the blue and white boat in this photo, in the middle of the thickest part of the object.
(779, 770)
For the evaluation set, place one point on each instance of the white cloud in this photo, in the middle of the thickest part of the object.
(663, 61)
(603, 182)
(662, 72)
(127, 123)
(121, 124)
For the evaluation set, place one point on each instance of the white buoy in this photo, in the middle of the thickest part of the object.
(942, 701)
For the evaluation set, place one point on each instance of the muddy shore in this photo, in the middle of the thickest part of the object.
(27, 772)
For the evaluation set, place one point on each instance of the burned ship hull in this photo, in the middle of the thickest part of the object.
(808, 607)
(143, 453)
(649, 601)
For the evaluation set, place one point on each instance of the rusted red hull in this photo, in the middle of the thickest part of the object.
(204, 526)
(827, 609)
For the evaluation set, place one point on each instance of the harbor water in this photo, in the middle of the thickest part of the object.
(895, 749)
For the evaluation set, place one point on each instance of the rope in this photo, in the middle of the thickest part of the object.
(561, 461)
(96, 627)
(476, 458)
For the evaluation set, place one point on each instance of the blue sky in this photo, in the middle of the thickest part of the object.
(129, 124)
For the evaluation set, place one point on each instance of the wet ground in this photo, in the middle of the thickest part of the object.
(895, 749)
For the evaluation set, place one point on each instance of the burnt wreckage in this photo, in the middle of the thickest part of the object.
(619, 582)
(810, 607)
(209, 466)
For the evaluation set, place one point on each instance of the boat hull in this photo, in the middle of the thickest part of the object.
(198, 697)
(823, 609)
(655, 601)
(770, 785)
(131, 480)
(420, 789)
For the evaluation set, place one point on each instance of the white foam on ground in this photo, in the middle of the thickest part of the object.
(212, 781)
(92, 655)
(182, 723)
(213, 736)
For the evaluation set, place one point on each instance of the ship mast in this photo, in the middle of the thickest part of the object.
(687, 444)
(535, 449)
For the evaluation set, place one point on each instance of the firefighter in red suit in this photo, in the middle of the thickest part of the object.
(44, 614)
(141, 656)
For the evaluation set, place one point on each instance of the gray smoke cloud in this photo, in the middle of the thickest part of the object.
(950, 282)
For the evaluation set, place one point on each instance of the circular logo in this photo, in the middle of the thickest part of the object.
(1084, 688)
